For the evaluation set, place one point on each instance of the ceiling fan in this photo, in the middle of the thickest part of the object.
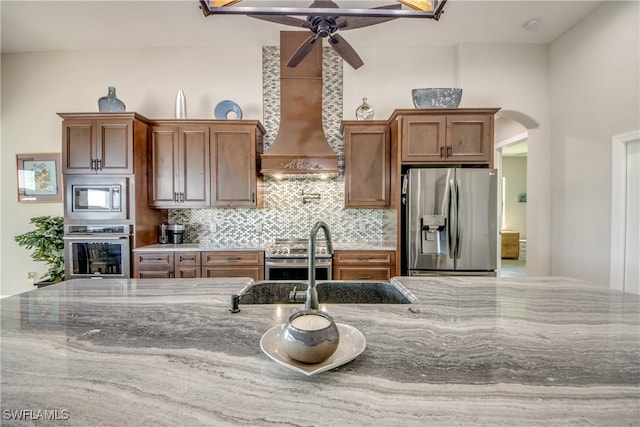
(323, 26)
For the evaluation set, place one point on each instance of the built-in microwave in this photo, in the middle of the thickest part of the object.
(91, 197)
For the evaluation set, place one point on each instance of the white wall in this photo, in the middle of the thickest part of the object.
(514, 170)
(594, 96)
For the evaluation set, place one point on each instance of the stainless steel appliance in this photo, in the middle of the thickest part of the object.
(450, 221)
(163, 233)
(287, 259)
(97, 251)
(176, 233)
(96, 198)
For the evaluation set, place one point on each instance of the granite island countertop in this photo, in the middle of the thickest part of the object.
(471, 351)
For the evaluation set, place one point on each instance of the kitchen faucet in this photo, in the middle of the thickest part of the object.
(312, 293)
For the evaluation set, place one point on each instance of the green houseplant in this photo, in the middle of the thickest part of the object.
(47, 243)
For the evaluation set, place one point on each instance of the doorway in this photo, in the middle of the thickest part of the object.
(513, 169)
(625, 213)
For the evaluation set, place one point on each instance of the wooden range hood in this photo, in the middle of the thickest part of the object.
(300, 146)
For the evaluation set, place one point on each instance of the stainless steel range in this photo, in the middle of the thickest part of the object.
(287, 259)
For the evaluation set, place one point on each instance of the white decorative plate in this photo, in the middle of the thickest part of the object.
(351, 344)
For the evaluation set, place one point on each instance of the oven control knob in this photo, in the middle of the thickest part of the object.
(271, 251)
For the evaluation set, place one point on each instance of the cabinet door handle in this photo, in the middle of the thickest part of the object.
(175, 197)
(181, 197)
(441, 151)
(93, 164)
(253, 197)
(449, 150)
(99, 164)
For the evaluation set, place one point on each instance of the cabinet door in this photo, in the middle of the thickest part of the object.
(78, 146)
(194, 166)
(97, 146)
(367, 166)
(114, 146)
(179, 166)
(423, 138)
(233, 167)
(164, 161)
(187, 272)
(469, 139)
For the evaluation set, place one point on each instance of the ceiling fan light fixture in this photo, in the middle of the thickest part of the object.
(423, 5)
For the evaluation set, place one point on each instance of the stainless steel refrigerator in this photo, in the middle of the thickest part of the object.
(450, 221)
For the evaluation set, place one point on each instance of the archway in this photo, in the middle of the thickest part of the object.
(538, 209)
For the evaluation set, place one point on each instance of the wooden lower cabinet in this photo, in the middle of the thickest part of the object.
(364, 265)
(233, 264)
(154, 265)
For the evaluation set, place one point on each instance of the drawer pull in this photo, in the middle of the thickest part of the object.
(364, 277)
(233, 258)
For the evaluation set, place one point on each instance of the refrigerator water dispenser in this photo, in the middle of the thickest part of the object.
(432, 233)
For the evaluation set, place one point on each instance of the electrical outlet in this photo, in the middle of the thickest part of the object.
(362, 227)
(258, 227)
(31, 277)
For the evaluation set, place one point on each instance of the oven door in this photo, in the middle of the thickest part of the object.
(97, 257)
(296, 269)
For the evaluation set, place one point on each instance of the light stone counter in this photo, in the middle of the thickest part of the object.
(254, 247)
(472, 351)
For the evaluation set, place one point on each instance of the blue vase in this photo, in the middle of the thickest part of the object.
(110, 103)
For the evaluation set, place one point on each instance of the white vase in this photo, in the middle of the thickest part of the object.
(181, 105)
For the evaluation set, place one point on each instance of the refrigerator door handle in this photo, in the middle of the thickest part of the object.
(453, 219)
(459, 222)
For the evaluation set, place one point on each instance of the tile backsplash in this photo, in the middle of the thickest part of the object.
(292, 206)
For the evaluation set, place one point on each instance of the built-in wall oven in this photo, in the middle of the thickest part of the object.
(287, 259)
(90, 198)
(97, 251)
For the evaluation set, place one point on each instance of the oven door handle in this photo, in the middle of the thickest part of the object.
(94, 237)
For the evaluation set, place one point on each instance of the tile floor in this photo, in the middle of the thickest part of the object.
(513, 268)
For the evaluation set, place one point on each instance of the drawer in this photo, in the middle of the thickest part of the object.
(256, 273)
(232, 258)
(363, 273)
(364, 257)
(154, 258)
(187, 259)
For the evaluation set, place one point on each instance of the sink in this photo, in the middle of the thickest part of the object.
(329, 292)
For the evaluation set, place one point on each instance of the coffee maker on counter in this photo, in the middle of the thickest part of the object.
(170, 233)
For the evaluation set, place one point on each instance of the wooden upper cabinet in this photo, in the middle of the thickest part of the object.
(441, 136)
(203, 163)
(234, 161)
(179, 166)
(367, 163)
(98, 143)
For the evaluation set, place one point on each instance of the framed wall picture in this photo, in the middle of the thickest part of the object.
(39, 177)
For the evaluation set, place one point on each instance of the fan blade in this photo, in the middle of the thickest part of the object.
(353, 22)
(302, 51)
(345, 50)
(283, 19)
